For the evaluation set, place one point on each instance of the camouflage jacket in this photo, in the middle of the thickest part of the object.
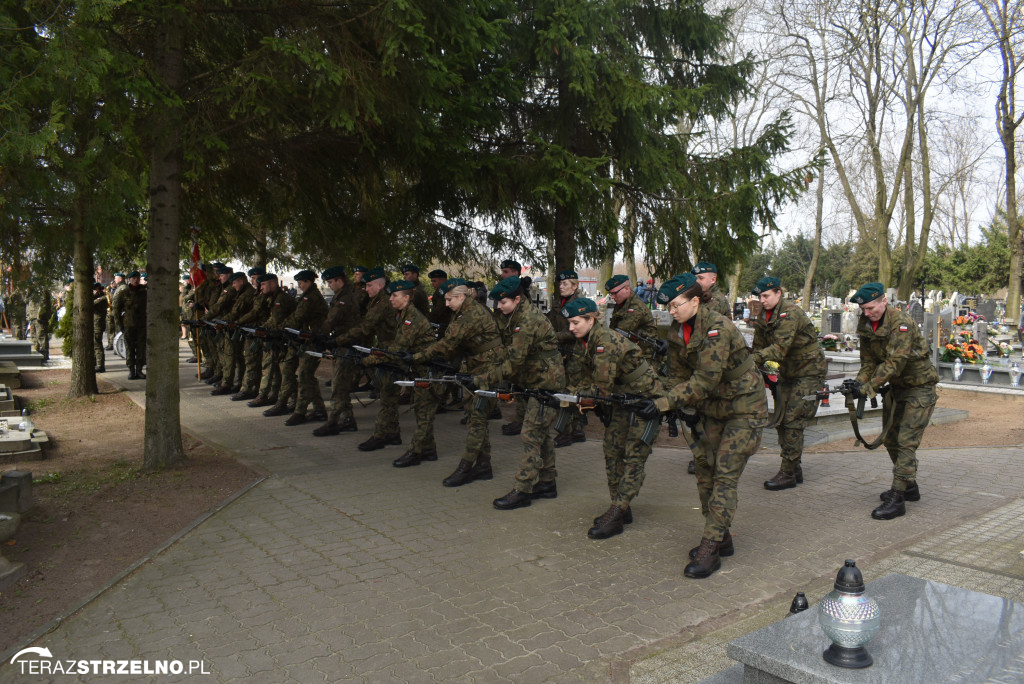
(310, 311)
(221, 299)
(714, 372)
(379, 323)
(719, 302)
(245, 299)
(343, 317)
(559, 322)
(634, 316)
(362, 297)
(612, 364)
(99, 312)
(472, 334)
(895, 353)
(420, 299)
(130, 307)
(413, 331)
(258, 312)
(280, 306)
(213, 293)
(439, 313)
(532, 358)
(788, 339)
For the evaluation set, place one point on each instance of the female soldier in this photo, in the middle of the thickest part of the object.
(710, 368)
(532, 362)
(568, 291)
(784, 334)
(611, 364)
(472, 333)
(414, 334)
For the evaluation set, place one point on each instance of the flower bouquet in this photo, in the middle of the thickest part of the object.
(968, 351)
(829, 342)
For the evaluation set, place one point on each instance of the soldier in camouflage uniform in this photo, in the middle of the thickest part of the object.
(414, 334)
(342, 326)
(130, 310)
(298, 369)
(711, 369)
(358, 280)
(218, 308)
(99, 325)
(411, 273)
(532, 361)
(232, 361)
(378, 329)
(473, 335)
(611, 364)
(252, 360)
(568, 282)
(113, 325)
(893, 351)
(511, 268)
(784, 334)
(631, 313)
(280, 306)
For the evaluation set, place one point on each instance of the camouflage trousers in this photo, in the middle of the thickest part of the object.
(289, 375)
(344, 377)
(270, 382)
(625, 454)
(424, 405)
(135, 347)
(914, 406)
(725, 447)
(97, 347)
(387, 416)
(309, 386)
(111, 326)
(208, 343)
(231, 361)
(521, 405)
(798, 412)
(253, 360)
(537, 464)
(478, 438)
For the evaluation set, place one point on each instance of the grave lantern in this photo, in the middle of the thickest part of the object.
(1014, 375)
(986, 373)
(849, 619)
(958, 369)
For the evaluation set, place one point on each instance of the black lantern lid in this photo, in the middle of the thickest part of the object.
(849, 580)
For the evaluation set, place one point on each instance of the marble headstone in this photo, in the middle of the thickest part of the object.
(916, 311)
(987, 309)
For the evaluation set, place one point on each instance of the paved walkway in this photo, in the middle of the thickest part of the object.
(339, 567)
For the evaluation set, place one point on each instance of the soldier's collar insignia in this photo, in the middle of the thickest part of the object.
(712, 333)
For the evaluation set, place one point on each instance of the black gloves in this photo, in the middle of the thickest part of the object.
(647, 410)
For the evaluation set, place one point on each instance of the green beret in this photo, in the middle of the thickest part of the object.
(511, 263)
(222, 269)
(567, 274)
(868, 292)
(359, 269)
(185, 276)
(507, 288)
(411, 267)
(144, 274)
(578, 307)
(704, 267)
(615, 281)
(438, 273)
(97, 286)
(305, 274)
(257, 271)
(400, 286)
(374, 273)
(218, 264)
(765, 284)
(333, 272)
(237, 275)
(133, 274)
(447, 285)
(267, 277)
(119, 274)
(675, 286)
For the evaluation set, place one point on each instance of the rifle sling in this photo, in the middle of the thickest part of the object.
(738, 371)
(887, 415)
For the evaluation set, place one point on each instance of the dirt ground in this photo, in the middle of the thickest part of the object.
(995, 420)
(95, 512)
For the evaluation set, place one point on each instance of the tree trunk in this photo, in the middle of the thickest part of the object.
(83, 360)
(819, 210)
(261, 247)
(163, 419)
(565, 240)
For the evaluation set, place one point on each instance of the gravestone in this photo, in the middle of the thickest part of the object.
(987, 309)
(945, 323)
(916, 311)
(832, 322)
(849, 321)
(930, 329)
(981, 334)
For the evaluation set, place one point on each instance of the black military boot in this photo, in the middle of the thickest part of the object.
(607, 525)
(276, 410)
(782, 480)
(348, 425)
(545, 490)
(139, 375)
(725, 547)
(461, 475)
(482, 468)
(409, 458)
(375, 443)
(912, 493)
(705, 562)
(893, 507)
(428, 455)
(260, 400)
(131, 374)
(318, 416)
(295, 419)
(567, 438)
(244, 396)
(495, 414)
(511, 429)
(220, 391)
(627, 517)
(327, 429)
(514, 499)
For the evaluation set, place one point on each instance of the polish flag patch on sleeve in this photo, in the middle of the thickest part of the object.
(712, 333)
(517, 329)
(599, 350)
(783, 314)
(408, 322)
(904, 328)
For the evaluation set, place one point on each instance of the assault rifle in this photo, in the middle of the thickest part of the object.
(855, 403)
(636, 404)
(660, 347)
(545, 397)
